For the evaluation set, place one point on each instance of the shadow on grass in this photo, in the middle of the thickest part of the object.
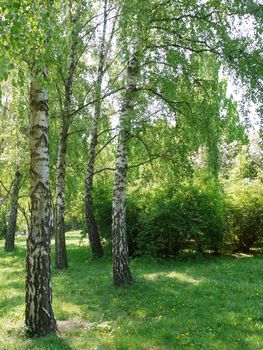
(50, 342)
(212, 303)
(187, 304)
(10, 304)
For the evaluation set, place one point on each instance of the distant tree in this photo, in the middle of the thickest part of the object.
(93, 233)
(12, 217)
(173, 41)
(27, 27)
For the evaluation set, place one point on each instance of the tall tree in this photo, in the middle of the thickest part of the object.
(28, 28)
(39, 313)
(169, 35)
(104, 62)
(93, 234)
(61, 260)
(121, 271)
(79, 29)
(14, 149)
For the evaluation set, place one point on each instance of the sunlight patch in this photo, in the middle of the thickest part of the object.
(13, 293)
(66, 309)
(182, 277)
(65, 326)
(242, 255)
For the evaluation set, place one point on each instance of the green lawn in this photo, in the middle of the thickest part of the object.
(204, 303)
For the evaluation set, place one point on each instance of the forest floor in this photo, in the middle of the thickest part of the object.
(190, 303)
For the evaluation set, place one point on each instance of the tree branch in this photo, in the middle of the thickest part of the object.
(25, 217)
(105, 145)
(153, 157)
(103, 169)
(95, 100)
(4, 199)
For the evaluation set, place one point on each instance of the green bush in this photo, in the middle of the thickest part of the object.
(245, 214)
(193, 218)
(102, 197)
(160, 234)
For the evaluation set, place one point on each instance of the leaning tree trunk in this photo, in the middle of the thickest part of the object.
(39, 313)
(120, 256)
(11, 228)
(93, 233)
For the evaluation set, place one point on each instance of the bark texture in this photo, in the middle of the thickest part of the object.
(93, 233)
(39, 316)
(61, 260)
(120, 256)
(11, 228)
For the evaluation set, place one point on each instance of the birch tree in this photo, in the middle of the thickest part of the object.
(169, 36)
(28, 32)
(93, 234)
(12, 217)
(121, 270)
(61, 260)
(108, 32)
(77, 28)
(14, 151)
(39, 313)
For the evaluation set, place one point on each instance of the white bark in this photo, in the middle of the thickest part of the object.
(39, 313)
(61, 260)
(93, 233)
(121, 270)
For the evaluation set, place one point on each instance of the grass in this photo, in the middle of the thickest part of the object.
(197, 303)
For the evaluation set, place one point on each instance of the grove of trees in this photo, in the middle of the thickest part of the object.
(117, 120)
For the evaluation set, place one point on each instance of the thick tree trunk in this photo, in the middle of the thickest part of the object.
(120, 255)
(11, 228)
(61, 260)
(39, 316)
(93, 233)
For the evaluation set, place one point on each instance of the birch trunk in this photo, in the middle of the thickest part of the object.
(39, 316)
(61, 260)
(120, 255)
(12, 218)
(93, 233)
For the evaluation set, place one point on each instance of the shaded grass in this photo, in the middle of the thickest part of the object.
(204, 303)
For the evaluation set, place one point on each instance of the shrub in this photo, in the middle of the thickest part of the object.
(245, 214)
(192, 218)
(160, 234)
(102, 210)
